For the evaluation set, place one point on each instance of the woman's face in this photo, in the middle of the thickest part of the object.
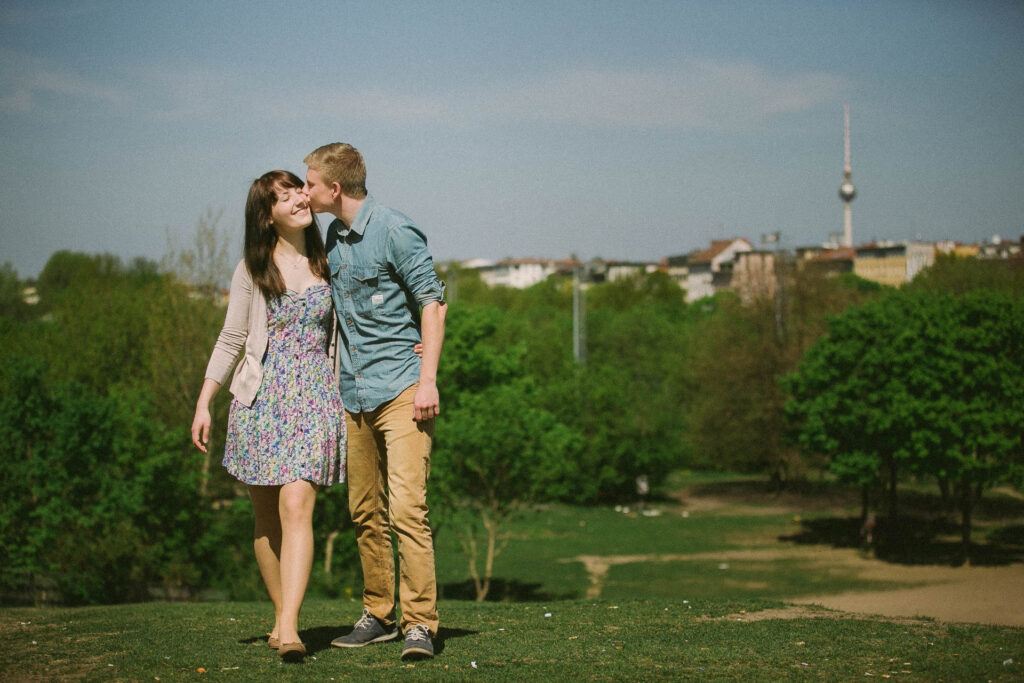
(291, 212)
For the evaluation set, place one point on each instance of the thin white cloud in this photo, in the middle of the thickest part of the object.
(67, 83)
(26, 81)
(202, 93)
(700, 94)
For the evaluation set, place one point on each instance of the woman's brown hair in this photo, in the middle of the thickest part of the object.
(260, 237)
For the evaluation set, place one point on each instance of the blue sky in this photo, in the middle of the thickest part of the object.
(629, 130)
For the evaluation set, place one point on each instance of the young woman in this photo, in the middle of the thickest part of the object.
(286, 427)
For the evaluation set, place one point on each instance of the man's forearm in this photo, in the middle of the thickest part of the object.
(427, 402)
(432, 333)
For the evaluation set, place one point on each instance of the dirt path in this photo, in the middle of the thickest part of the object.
(988, 595)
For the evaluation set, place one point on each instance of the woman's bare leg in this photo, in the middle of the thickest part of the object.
(296, 512)
(267, 543)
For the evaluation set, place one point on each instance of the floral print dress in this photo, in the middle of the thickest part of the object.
(295, 428)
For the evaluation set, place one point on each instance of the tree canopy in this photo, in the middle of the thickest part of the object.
(927, 383)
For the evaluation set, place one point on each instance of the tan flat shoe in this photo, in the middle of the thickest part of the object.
(272, 642)
(292, 652)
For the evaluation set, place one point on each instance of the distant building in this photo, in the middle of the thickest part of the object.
(888, 263)
(891, 263)
(476, 263)
(521, 273)
(678, 268)
(754, 275)
(733, 264)
(998, 248)
(618, 270)
(955, 248)
(710, 270)
(828, 261)
(920, 255)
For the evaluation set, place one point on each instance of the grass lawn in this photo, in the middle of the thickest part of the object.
(681, 594)
(749, 580)
(563, 640)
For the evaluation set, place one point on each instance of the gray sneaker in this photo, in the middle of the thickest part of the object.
(366, 631)
(418, 644)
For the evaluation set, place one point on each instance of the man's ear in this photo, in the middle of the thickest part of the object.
(335, 190)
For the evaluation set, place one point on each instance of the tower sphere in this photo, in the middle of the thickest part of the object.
(847, 191)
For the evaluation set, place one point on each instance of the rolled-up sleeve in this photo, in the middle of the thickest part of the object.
(412, 262)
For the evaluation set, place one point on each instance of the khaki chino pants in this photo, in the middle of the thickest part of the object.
(388, 467)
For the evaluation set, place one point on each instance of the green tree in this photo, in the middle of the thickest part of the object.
(98, 312)
(739, 354)
(180, 328)
(918, 382)
(627, 400)
(115, 354)
(12, 300)
(495, 454)
(630, 398)
(495, 449)
(655, 289)
(96, 504)
(734, 419)
(961, 274)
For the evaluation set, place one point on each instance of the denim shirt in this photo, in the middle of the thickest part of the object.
(381, 276)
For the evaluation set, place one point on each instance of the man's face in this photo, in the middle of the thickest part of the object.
(321, 199)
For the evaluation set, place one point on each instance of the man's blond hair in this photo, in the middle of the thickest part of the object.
(341, 163)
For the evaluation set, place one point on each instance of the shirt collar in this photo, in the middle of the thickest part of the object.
(361, 220)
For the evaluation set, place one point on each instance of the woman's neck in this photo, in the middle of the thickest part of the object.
(293, 244)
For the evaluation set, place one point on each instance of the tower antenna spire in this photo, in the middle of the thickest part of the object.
(846, 139)
(846, 191)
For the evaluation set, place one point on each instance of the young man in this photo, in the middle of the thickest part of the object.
(387, 298)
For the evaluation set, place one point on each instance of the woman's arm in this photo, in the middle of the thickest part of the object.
(201, 421)
(230, 343)
(231, 340)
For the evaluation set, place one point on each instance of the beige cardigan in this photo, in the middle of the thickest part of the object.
(246, 325)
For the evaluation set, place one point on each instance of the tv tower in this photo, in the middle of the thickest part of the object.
(846, 190)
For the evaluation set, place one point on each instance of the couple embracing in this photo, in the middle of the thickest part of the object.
(339, 346)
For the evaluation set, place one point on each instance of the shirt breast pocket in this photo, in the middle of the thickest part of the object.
(366, 289)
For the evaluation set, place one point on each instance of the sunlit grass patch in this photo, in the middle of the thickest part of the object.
(733, 579)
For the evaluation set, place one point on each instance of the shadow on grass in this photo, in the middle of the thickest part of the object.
(503, 590)
(444, 634)
(318, 639)
(913, 539)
